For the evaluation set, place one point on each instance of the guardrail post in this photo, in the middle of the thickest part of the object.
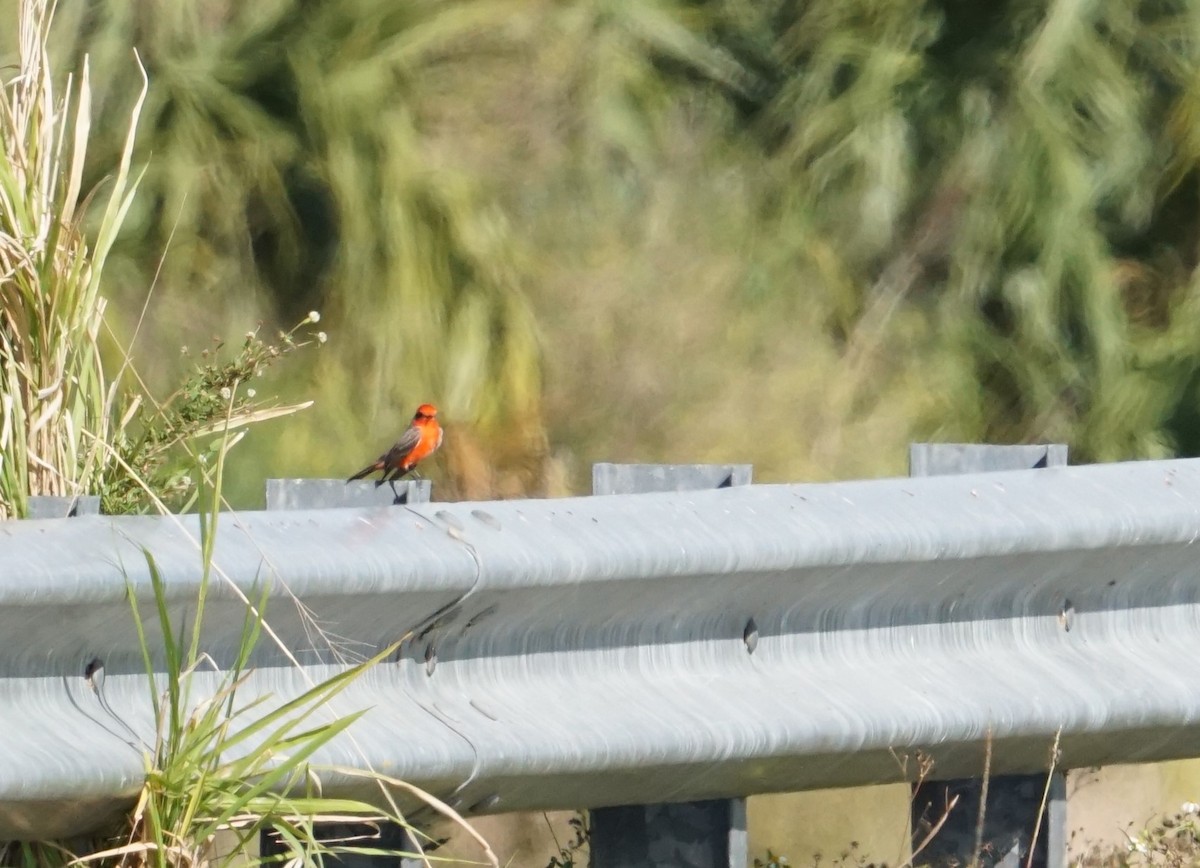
(331, 494)
(63, 506)
(1013, 801)
(334, 493)
(707, 834)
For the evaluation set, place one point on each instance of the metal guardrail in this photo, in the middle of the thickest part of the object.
(642, 648)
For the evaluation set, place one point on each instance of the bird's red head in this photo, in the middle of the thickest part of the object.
(426, 411)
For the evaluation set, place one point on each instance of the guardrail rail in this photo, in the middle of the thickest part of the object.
(641, 648)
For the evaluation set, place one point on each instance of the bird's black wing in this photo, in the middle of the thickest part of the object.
(407, 442)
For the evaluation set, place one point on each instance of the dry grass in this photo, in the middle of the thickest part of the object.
(57, 403)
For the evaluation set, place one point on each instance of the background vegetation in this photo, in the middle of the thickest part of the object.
(798, 234)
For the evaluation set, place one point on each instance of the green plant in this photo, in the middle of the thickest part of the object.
(55, 404)
(219, 765)
(159, 443)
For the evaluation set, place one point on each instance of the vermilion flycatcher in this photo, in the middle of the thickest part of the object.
(420, 440)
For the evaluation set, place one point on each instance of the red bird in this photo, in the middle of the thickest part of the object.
(420, 440)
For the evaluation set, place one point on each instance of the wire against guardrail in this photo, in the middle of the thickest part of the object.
(330, 494)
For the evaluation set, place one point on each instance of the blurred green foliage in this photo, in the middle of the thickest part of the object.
(794, 233)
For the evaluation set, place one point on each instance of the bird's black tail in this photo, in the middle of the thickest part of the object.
(370, 468)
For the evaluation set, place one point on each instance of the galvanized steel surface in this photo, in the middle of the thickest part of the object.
(591, 651)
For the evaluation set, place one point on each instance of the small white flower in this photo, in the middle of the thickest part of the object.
(250, 335)
(186, 481)
(314, 316)
(203, 458)
(322, 337)
(258, 372)
(1189, 808)
(183, 351)
(250, 393)
(1137, 845)
(225, 393)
